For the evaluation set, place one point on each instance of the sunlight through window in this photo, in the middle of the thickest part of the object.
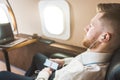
(3, 16)
(53, 17)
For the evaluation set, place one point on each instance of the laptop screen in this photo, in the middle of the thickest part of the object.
(6, 33)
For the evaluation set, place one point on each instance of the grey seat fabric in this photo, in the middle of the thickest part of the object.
(113, 72)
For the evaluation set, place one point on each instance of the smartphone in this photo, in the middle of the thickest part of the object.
(51, 64)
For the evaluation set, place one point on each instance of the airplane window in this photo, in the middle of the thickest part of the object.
(3, 16)
(55, 18)
(7, 15)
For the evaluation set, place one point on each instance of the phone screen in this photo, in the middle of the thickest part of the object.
(51, 64)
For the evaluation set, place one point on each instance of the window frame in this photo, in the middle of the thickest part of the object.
(65, 35)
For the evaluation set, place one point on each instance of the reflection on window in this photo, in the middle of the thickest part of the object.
(53, 17)
(3, 16)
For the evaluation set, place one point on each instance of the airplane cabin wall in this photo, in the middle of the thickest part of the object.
(28, 19)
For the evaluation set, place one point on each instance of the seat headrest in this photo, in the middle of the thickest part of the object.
(113, 72)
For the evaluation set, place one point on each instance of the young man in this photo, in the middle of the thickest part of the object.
(102, 39)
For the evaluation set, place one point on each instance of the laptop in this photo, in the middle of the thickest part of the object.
(6, 33)
(7, 37)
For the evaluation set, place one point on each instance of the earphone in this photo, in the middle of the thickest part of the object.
(92, 45)
(103, 36)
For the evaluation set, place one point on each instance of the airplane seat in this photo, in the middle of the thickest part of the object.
(61, 55)
(113, 72)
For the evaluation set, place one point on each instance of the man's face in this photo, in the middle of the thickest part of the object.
(93, 31)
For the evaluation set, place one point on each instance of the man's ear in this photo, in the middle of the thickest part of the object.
(105, 37)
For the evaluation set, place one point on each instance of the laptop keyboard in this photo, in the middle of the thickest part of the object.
(15, 42)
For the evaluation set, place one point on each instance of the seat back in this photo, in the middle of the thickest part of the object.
(113, 72)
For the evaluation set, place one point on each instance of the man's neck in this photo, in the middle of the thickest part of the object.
(102, 49)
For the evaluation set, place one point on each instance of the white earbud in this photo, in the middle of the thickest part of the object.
(102, 37)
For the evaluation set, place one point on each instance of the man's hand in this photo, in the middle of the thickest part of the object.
(47, 70)
(44, 74)
(59, 61)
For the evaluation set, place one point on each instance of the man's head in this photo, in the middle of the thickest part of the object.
(104, 29)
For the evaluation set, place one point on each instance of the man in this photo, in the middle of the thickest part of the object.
(102, 39)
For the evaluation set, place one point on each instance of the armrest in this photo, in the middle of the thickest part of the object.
(60, 55)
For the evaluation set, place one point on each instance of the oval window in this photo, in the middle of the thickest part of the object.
(53, 18)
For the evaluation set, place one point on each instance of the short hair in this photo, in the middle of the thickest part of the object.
(111, 13)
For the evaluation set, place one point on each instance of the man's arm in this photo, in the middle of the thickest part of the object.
(44, 74)
(67, 60)
(62, 62)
